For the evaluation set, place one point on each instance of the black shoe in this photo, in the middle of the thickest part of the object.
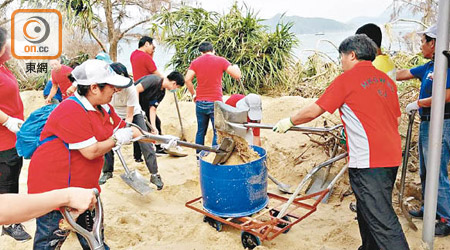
(442, 228)
(16, 231)
(105, 176)
(419, 214)
(160, 152)
(416, 213)
(138, 160)
(156, 179)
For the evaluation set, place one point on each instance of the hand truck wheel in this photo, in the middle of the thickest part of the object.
(213, 223)
(282, 224)
(249, 240)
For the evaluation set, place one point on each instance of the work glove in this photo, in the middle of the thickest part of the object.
(13, 124)
(283, 125)
(123, 136)
(171, 144)
(412, 106)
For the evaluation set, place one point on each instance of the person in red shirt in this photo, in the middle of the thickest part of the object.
(208, 68)
(368, 104)
(141, 59)
(59, 79)
(11, 117)
(84, 127)
(142, 64)
(252, 104)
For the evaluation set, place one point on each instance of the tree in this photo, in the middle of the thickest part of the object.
(238, 36)
(429, 9)
(117, 17)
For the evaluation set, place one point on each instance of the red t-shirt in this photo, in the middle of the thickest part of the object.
(49, 166)
(60, 77)
(209, 70)
(232, 102)
(10, 104)
(142, 64)
(368, 104)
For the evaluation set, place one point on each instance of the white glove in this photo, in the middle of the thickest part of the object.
(13, 124)
(172, 144)
(123, 136)
(412, 106)
(283, 125)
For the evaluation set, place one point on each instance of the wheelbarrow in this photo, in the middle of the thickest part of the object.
(94, 237)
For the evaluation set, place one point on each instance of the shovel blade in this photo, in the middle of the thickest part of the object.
(137, 182)
(225, 115)
(226, 148)
(320, 182)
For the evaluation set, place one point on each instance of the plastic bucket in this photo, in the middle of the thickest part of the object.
(234, 190)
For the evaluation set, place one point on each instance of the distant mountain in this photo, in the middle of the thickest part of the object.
(308, 25)
(384, 17)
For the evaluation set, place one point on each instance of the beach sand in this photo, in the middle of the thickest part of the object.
(160, 220)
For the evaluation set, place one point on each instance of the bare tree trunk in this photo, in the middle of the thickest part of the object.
(112, 36)
(113, 45)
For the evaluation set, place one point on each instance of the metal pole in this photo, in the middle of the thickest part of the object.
(436, 122)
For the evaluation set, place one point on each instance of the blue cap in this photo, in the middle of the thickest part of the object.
(104, 57)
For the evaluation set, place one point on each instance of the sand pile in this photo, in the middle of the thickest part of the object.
(160, 220)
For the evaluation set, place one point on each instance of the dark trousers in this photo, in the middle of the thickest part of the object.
(147, 151)
(378, 224)
(10, 167)
(137, 152)
(49, 236)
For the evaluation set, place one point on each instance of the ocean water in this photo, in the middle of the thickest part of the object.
(326, 43)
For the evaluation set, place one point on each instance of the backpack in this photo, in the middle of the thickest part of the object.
(28, 137)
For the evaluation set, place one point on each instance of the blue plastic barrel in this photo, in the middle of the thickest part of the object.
(234, 190)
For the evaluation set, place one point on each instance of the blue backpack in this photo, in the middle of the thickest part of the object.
(28, 137)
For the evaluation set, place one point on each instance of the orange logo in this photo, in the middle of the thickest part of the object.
(36, 34)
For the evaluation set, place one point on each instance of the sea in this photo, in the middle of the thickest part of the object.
(324, 42)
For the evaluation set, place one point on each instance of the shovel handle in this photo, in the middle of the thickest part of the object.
(147, 137)
(295, 128)
(94, 238)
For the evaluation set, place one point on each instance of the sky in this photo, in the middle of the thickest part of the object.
(340, 10)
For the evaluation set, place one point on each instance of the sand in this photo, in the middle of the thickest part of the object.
(160, 220)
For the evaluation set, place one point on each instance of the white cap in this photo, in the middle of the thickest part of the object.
(431, 31)
(96, 71)
(252, 104)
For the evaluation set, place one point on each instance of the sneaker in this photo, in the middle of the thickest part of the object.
(442, 228)
(156, 179)
(105, 177)
(138, 160)
(17, 232)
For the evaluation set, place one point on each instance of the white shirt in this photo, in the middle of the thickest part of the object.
(128, 97)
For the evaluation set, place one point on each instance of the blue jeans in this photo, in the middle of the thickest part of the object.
(443, 199)
(49, 236)
(205, 112)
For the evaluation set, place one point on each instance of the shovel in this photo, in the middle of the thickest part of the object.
(404, 168)
(133, 178)
(223, 152)
(229, 119)
(179, 116)
(321, 178)
(94, 237)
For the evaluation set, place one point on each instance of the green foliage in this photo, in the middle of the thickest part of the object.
(238, 36)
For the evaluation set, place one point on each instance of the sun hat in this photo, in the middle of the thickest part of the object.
(252, 104)
(96, 71)
(431, 31)
(104, 57)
